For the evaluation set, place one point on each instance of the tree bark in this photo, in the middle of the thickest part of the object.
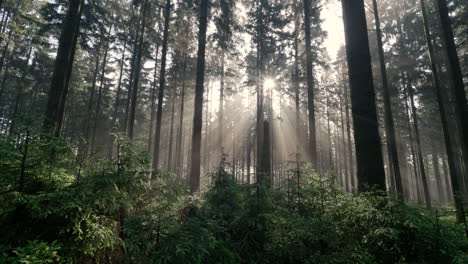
(221, 106)
(99, 96)
(427, 197)
(133, 103)
(179, 156)
(388, 114)
(199, 89)
(370, 167)
(63, 62)
(153, 100)
(310, 85)
(461, 104)
(162, 83)
(451, 153)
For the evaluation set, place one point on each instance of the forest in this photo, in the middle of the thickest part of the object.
(233, 131)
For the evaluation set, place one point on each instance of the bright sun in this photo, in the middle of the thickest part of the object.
(269, 83)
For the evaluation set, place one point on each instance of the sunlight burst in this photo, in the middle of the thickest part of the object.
(269, 83)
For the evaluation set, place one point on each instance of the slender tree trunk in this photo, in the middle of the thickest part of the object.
(162, 83)
(63, 62)
(451, 153)
(119, 86)
(199, 89)
(87, 122)
(138, 66)
(20, 90)
(221, 106)
(435, 164)
(352, 183)
(330, 151)
(461, 104)
(124, 125)
(411, 143)
(310, 85)
(99, 96)
(344, 158)
(170, 166)
(371, 171)
(153, 100)
(297, 91)
(388, 115)
(264, 175)
(5, 50)
(419, 152)
(179, 161)
(260, 72)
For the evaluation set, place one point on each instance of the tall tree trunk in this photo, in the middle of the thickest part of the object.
(63, 62)
(388, 115)
(162, 83)
(461, 104)
(411, 142)
(20, 90)
(99, 96)
(297, 91)
(221, 106)
(330, 151)
(5, 50)
(264, 175)
(344, 154)
(119, 86)
(179, 156)
(419, 152)
(260, 72)
(435, 164)
(352, 183)
(124, 125)
(451, 153)
(136, 81)
(370, 167)
(170, 157)
(310, 85)
(153, 100)
(86, 148)
(199, 89)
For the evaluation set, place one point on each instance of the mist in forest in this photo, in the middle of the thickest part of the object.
(203, 131)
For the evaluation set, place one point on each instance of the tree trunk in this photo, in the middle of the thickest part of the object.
(451, 153)
(419, 152)
(310, 85)
(199, 89)
(352, 183)
(19, 94)
(138, 66)
(99, 97)
(162, 83)
(344, 154)
(370, 165)
(179, 156)
(86, 148)
(435, 164)
(170, 166)
(153, 100)
(461, 104)
(63, 62)
(388, 115)
(119, 86)
(330, 151)
(221, 107)
(264, 175)
(260, 68)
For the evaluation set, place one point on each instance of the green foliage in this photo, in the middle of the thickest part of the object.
(120, 211)
(36, 252)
